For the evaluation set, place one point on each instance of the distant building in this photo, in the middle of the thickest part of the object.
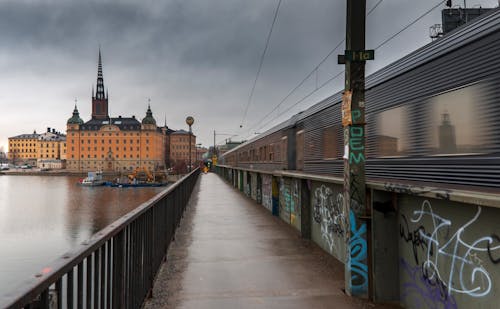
(22, 148)
(113, 144)
(227, 146)
(179, 147)
(201, 152)
(51, 150)
(36, 148)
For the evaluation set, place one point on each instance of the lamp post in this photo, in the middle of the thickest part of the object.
(189, 121)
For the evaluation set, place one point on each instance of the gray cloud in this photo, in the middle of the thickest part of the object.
(191, 57)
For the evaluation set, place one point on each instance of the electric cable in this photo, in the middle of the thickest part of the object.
(328, 81)
(260, 64)
(307, 76)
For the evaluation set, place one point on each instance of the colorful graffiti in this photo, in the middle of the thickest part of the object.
(357, 262)
(329, 212)
(451, 262)
(290, 201)
(267, 192)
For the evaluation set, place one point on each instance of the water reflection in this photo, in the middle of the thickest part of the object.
(43, 217)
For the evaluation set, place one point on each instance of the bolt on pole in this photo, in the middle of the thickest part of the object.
(353, 122)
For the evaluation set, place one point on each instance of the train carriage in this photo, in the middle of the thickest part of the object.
(431, 117)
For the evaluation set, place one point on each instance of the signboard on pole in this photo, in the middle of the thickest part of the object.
(346, 108)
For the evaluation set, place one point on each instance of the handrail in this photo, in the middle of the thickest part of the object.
(120, 243)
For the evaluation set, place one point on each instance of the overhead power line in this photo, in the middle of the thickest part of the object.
(261, 62)
(331, 52)
(314, 70)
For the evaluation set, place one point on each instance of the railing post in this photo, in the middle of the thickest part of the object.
(118, 273)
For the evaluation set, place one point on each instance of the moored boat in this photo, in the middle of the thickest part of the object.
(93, 179)
(135, 185)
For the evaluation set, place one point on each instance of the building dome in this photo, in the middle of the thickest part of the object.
(149, 117)
(76, 117)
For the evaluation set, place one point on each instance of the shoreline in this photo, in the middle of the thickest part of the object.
(107, 175)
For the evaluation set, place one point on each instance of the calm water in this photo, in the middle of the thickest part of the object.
(42, 217)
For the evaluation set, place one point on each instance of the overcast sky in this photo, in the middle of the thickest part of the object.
(191, 57)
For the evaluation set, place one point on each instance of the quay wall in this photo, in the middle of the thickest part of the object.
(425, 247)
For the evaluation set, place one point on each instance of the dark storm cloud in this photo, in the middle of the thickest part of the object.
(195, 57)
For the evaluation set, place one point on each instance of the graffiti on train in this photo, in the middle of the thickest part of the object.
(329, 213)
(451, 259)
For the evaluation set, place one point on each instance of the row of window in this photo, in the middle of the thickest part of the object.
(109, 148)
(109, 134)
(116, 156)
(451, 123)
(109, 141)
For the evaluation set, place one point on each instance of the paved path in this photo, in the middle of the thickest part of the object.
(230, 252)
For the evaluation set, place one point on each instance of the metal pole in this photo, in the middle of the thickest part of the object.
(189, 149)
(353, 110)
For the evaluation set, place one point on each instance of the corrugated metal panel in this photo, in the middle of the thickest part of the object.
(479, 27)
(441, 66)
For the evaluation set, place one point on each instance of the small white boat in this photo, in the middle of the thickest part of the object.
(93, 179)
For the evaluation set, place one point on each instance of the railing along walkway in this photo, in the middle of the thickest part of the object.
(230, 252)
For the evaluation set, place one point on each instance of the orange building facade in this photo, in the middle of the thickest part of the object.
(179, 147)
(113, 144)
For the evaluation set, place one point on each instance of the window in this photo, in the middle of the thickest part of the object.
(330, 142)
(392, 132)
(458, 119)
(300, 149)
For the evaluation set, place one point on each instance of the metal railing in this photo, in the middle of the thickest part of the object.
(115, 268)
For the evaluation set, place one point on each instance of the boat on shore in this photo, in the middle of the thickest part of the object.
(93, 179)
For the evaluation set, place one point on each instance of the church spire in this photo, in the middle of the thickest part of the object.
(99, 94)
(100, 99)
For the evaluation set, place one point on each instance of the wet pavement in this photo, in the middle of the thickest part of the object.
(230, 252)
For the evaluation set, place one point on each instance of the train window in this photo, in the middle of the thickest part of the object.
(284, 149)
(300, 149)
(330, 142)
(454, 126)
(392, 132)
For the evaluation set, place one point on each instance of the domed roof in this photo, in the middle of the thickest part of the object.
(149, 117)
(75, 119)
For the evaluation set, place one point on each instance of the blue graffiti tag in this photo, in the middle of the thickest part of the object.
(357, 257)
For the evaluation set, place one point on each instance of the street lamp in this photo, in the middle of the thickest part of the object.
(189, 121)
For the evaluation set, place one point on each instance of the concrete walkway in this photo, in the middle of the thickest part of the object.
(230, 252)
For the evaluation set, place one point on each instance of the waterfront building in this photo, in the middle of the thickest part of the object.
(113, 143)
(35, 148)
(51, 149)
(179, 148)
(22, 148)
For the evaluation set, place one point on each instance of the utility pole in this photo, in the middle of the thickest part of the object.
(353, 122)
